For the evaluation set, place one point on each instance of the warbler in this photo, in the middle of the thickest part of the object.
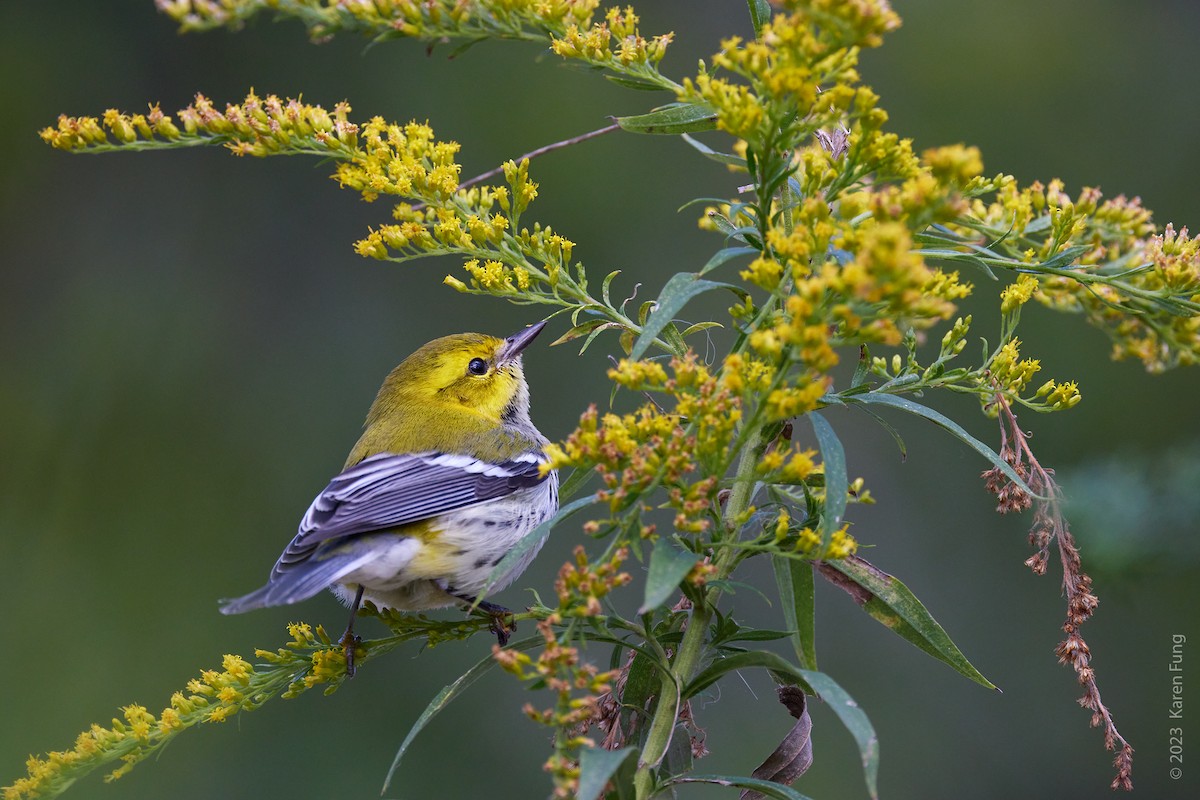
(444, 481)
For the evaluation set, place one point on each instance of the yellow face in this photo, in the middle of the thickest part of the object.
(467, 369)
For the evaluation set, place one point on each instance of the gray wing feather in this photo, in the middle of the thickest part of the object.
(382, 492)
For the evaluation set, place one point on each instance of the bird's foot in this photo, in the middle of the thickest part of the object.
(350, 642)
(502, 623)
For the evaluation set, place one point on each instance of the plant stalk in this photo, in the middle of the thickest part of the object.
(691, 647)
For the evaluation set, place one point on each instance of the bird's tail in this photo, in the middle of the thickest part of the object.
(298, 582)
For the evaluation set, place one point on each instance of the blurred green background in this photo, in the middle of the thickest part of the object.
(189, 344)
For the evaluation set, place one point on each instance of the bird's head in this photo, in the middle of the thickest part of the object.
(474, 371)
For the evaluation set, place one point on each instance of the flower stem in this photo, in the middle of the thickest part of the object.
(691, 647)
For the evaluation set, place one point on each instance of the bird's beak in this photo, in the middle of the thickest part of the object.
(514, 344)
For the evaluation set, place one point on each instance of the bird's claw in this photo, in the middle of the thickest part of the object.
(503, 625)
(350, 642)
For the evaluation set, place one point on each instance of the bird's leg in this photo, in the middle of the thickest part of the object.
(502, 624)
(349, 640)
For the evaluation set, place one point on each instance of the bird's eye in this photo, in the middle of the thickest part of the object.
(477, 366)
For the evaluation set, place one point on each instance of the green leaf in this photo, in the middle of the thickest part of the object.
(862, 369)
(833, 455)
(855, 720)
(674, 118)
(754, 658)
(887, 426)
(634, 83)
(795, 581)
(570, 486)
(813, 683)
(582, 329)
(768, 788)
(937, 418)
(700, 326)
(532, 541)
(448, 694)
(681, 288)
(760, 13)
(726, 254)
(642, 683)
(890, 602)
(757, 635)
(668, 566)
(715, 155)
(1063, 259)
(596, 767)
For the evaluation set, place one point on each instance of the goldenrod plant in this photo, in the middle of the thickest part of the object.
(843, 258)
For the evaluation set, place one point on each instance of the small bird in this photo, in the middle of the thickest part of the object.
(444, 481)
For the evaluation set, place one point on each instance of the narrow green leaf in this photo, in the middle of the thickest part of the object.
(768, 788)
(887, 426)
(672, 119)
(795, 581)
(813, 683)
(596, 767)
(937, 418)
(1063, 259)
(890, 602)
(634, 83)
(727, 254)
(582, 329)
(681, 288)
(862, 369)
(699, 326)
(721, 158)
(446, 696)
(760, 13)
(833, 455)
(570, 486)
(607, 282)
(757, 635)
(855, 720)
(668, 566)
(532, 541)
(642, 683)
(754, 658)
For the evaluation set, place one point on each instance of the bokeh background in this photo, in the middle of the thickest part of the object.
(188, 345)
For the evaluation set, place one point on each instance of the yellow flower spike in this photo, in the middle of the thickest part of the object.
(782, 525)
(763, 272)
(1018, 293)
(1064, 395)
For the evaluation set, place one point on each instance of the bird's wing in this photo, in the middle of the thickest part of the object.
(386, 491)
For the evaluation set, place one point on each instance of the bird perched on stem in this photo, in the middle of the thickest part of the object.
(444, 481)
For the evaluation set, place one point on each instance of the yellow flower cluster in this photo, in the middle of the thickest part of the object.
(1017, 294)
(403, 160)
(800, 66)
(580, 585)
(213, 697)
(1139, 286)
(257, 127)
(807, 542)
(786, 466)
(652, 447)
(577, 686)
(887, 288)
(425, 19)
(1059, 395)
(1010, 372)
(615, 41)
